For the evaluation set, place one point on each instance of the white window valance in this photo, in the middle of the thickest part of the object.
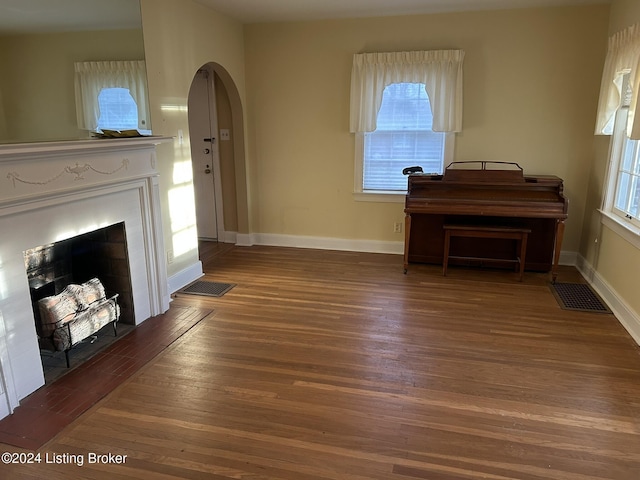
(439, 70)
(92, 77)
(623, 57)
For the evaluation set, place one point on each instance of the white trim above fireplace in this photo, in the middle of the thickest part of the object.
(53, 191)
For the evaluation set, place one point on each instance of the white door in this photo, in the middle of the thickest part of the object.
(204, 152)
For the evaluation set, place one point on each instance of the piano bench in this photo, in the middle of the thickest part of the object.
(486, 231)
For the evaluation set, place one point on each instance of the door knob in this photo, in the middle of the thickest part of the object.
(206, 151)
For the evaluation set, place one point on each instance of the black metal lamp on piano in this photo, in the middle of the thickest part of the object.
(486, 194)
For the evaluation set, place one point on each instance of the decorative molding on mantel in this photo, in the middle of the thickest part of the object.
(35, 170)
(15, 151)
(77, 170)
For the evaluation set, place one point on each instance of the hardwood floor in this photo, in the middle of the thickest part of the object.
(51, 408)
(336, 365)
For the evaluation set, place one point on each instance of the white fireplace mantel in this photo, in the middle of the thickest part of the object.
(56, 190)
(35, 169)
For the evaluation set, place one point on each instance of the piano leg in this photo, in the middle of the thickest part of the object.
(556, 249)
(407, 237)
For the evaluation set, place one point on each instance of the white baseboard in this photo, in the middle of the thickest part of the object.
(328, 243)
(229, 237)
(568, 258)
(185, 277)
(627, 317)
(244, 239)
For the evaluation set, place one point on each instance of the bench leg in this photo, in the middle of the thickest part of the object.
(66, 356)
(523, 253)
(445, 256)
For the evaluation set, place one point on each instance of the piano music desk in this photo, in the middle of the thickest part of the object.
(485, 231)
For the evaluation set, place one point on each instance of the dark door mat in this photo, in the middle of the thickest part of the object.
(578, 296)
(207, 288)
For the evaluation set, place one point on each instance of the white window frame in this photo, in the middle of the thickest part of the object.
(614, 218)
(390, 196)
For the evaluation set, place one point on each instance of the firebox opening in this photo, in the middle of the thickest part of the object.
(50, 268)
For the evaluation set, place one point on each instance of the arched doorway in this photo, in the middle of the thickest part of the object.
(217, 150)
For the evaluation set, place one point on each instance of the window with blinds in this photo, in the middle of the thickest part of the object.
(403, 138)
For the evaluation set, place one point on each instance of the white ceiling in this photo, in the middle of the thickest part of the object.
(68, 15)
(257, 11)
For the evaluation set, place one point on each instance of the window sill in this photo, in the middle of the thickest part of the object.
(380, 197)
(625, 229)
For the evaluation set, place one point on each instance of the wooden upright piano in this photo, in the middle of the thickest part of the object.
(492, 193)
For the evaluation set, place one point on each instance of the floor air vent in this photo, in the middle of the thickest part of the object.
(578, 296)
(207, 288)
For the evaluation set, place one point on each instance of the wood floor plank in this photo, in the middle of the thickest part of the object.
(336, 365)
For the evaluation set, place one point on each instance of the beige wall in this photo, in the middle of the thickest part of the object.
(37, 78)
(615, 261)
(181, 36)
(531, 81)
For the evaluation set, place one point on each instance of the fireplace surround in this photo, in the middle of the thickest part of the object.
(55, 191)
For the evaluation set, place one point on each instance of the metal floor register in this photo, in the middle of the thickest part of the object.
(578, 296)
(207, 288)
